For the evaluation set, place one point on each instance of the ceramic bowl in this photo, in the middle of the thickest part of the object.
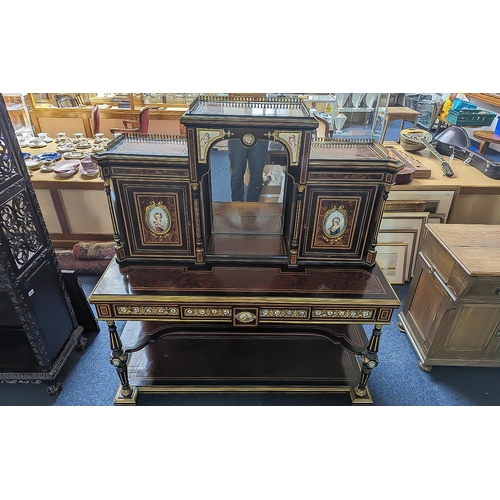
(66, 168)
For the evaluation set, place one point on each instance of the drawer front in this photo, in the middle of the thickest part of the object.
(239, 315)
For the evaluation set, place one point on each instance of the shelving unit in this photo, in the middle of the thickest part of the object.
(361, 121)
(18, 112)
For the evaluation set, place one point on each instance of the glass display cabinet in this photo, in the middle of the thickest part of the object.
(18, 112)
(351, 115)
(236, 241)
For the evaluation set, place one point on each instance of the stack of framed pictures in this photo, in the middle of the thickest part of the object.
(398, 244)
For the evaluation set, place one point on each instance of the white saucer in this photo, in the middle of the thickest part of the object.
(33, 164)
(37, 145)
(74, 155)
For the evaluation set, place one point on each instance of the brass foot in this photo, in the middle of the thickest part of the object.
(131, 400)
(361, 399)
(425, 368)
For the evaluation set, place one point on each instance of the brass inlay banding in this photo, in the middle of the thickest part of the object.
(281, 313)
(343, 313)
(204, 312)
(147, 311)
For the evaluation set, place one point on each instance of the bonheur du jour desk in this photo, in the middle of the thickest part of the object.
(224, 291)
(236, 329)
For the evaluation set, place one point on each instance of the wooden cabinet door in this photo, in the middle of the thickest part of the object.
(159, 222)
(473, 334)
(337, 222)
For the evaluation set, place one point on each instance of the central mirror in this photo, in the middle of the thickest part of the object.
(247, 191)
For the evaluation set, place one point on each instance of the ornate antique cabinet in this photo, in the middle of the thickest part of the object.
(235, 273)
(38, 327)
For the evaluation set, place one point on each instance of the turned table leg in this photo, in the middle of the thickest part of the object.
(119, 359)
(369, 360)
(483, 147)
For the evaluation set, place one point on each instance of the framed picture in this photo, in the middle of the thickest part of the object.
(391, 257)
(408, 236)
(399, 221)
(437, 203)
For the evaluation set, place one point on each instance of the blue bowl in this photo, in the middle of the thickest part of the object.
(26, 155)
(48, 156)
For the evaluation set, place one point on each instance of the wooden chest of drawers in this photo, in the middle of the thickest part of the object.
(452, 311)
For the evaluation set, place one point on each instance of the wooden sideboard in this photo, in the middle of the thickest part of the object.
(452, 311)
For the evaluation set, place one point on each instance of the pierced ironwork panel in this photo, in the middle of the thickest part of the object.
(18, 224)
(7, 166)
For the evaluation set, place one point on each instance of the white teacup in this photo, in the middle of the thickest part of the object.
(37, 141)
(43, 135)
(78, 136)
(48, 165)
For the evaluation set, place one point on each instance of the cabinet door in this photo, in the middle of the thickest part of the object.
(474, 333)
(158, 219)
(337, 222)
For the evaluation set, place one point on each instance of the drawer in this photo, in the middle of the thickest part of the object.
(476, 277)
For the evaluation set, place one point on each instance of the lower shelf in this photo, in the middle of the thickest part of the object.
(247, 363)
